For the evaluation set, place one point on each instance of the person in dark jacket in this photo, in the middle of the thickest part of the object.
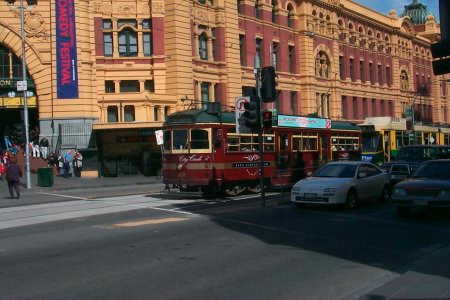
(13, 174)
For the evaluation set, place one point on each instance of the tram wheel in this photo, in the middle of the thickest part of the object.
(234, 190)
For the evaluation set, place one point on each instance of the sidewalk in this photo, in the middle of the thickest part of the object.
(79, 188)
(72, 183)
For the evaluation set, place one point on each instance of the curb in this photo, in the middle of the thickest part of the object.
(58, 189)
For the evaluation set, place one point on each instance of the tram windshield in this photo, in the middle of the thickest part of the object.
(422, 153)
(371, 142)
(187, 140)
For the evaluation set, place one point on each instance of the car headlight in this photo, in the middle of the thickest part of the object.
(399, 192)
(444, 194)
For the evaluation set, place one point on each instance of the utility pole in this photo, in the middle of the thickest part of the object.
(24, 95)
(260, 138)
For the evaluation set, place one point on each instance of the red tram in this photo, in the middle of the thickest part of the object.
(202, 151)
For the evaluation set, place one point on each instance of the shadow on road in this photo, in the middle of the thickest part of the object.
(372, 235)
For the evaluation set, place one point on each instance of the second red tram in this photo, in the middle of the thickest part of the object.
(202, 151)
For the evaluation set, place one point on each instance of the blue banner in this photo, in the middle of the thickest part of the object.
(66, 50)
(303, 122)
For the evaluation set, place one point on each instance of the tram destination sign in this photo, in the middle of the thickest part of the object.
(249, 164)
(303, 122)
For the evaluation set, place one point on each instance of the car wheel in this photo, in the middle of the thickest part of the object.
(403, 211)
(352, 200)
(386, 194)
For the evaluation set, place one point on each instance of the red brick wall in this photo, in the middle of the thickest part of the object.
(98, 32)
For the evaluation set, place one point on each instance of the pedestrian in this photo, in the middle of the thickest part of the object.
(77, 164)
(66, 167)
(13, 174)
(35, 148)
(2, 169)
(43, 146)
(61, 165)
(52, 160)
(68, 157)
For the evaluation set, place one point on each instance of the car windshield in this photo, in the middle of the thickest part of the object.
(434, 170)
(336, 170)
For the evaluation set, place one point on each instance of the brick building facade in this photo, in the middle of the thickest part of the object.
(138, 61)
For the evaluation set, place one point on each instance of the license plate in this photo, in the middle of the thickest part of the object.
(309, 196)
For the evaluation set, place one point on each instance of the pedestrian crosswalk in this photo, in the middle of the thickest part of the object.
(12, 217)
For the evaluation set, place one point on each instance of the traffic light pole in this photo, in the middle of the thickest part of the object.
(260, 138)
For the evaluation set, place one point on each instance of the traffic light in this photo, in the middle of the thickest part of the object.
(268, 84)
(267, 119)
(251, 116)
(441, 50)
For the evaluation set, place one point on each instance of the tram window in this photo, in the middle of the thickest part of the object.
(305, 143)
(309, 144)
(167, 140)
(419, 139)
(284, 142)
(447, 139)
(340, 143)
(405, 139)
(249, 143)
(180, 139)
(199, 139)
(269, 143)
(296, 143)
(398, 139)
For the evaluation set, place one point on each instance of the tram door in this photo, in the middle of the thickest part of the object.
(325, 149)
(283, 161)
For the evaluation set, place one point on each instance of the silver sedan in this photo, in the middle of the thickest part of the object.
(346, 183)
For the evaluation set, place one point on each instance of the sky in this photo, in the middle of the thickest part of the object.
(384, 6)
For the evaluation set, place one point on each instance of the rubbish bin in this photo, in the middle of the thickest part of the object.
(45, 177)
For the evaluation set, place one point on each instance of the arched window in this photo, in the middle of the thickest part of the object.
(128, 43)
(203, 46)
(113, 114)
(129, 114)
(291, 17)
(10, 64)
(404, 80)
(322, 65)
(274, 11)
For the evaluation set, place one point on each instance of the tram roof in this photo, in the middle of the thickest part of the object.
(195, 116)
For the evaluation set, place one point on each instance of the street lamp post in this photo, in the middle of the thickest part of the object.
(23, 87)
(25, 100)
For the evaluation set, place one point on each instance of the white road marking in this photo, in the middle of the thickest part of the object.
(174, 210)
(63, 196)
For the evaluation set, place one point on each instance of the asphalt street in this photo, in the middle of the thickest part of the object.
(167, 247)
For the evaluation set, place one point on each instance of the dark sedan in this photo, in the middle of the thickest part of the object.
(429, 187)
(397, 172)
